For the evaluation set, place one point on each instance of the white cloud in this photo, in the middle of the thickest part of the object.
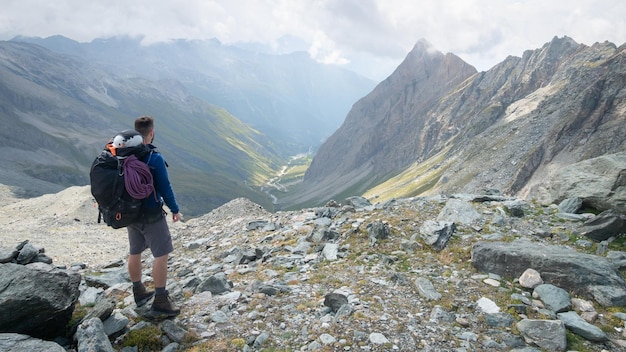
(482, 32)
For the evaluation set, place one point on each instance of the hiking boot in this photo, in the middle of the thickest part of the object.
(163, 305)
(142, 295)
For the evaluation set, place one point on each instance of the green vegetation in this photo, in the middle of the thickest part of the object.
(146, 339)
(415, 180)
(77, 315)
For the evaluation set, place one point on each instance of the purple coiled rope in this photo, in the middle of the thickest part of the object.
(138, 179)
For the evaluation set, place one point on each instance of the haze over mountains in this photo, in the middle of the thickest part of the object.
(229, 118)
(291, 98)
(60, 105)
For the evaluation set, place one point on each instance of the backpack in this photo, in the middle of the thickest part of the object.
(115, 205)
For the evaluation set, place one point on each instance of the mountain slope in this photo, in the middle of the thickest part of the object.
(292, 99)
(506, 128)
(58, 112)
(386, 130)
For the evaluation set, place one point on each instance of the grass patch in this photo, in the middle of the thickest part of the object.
(145, 339)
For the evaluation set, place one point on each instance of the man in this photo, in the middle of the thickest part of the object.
(151, 231)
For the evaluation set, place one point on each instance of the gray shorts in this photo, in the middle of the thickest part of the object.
(155, 236)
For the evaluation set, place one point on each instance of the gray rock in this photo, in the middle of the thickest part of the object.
(36, 303)
(554, 298)
(219, 317)
(579, 326)
(323, 234)
(378, 339)
(323, 221)
(459, 211)
(547, 334)
(583, 274)
(600, 182)
(572, 217)
(171, 347)
(487, 306)
(437, 233)
(515, 207)
(327, 339)
(260, 340)
(570, 205)
(27, 253)
(256, 224)
(617, 259)
(102, 310)
(605, 225)
(530, 278)
(426, 289)
(7, 255)
(108, 278)
(314, 346)
(440, 315)
(173, 331)
(90, 296)
(344, 311)
(334, 301)
(92, 338)
(217, 284)
(17, 342)
(358, 202)
(499, 320)
(41, 258)
(378, 231)
(115, 323)
(330, 251)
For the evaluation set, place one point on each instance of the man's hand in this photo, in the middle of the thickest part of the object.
(177, 216)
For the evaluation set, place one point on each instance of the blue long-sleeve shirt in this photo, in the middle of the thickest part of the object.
(162, 185)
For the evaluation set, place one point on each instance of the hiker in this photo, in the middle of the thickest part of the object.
(151, 230)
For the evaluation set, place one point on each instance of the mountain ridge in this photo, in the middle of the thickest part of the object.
(292, 99)
(58, 113)
(494, 129)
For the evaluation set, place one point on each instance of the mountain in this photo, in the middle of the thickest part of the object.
(292, 99)
(57, 112)
(438, 126)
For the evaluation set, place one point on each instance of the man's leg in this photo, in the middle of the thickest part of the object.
(134, 267)
(162, 303)
(140, 293)
(159, 271)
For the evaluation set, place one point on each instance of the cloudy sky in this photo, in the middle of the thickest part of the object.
(371, 36)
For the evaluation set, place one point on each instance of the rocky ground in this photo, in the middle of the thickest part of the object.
(280, 278)
(65, 224)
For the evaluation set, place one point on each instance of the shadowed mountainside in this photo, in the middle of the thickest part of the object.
(292, 99)
(57, 113)
(436, 125)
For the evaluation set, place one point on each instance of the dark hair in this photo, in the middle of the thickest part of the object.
(144, 125)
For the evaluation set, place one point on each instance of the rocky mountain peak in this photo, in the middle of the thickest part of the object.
(394, 111)
(436, 125)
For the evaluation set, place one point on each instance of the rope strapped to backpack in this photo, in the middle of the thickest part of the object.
(137, 178)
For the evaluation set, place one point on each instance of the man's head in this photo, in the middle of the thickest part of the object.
(145, 126)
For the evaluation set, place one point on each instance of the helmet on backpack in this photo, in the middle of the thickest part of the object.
(126, 143)
(128, 138)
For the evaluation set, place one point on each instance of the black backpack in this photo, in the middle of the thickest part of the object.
(115, 206)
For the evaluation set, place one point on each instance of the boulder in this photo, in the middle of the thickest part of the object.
(605, 225)
(583, 274)
(437, 233)
(36, 302)
(600, 182)
(19, 342)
